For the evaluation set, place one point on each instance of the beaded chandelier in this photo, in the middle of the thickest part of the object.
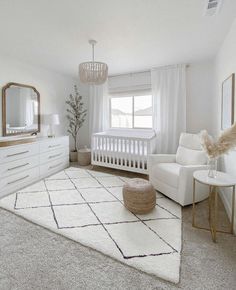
(93, 72)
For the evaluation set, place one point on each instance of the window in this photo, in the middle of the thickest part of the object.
(131, 112)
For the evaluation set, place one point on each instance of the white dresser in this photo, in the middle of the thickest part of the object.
(21, 165)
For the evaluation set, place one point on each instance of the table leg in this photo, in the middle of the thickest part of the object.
(215, 214)
(209, 204)
(193, 213)
(233, 206)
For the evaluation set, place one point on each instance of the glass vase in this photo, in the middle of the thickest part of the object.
(212, 167)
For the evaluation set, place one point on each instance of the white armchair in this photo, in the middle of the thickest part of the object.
(172, 174)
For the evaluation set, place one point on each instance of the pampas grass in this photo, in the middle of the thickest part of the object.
(223, 145)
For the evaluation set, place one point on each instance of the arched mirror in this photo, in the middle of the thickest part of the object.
(20, 109)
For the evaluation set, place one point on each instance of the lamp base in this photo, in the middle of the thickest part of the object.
(51, 133)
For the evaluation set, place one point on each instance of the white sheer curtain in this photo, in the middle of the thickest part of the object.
(98, 109)
(169, 106)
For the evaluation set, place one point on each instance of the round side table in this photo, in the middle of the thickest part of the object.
(222, 180)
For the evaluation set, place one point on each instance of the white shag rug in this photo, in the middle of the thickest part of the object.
(87, 207)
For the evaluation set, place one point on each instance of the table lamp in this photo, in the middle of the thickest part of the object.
(53, 120)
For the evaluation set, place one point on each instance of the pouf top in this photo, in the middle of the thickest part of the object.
(137, 184)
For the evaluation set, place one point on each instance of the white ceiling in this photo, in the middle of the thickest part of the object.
(132, 35)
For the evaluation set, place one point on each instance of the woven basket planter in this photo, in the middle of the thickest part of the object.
(84, 157)
(139, 196)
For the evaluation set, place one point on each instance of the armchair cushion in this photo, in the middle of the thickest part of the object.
(167, 173)
(186, 156)
(190, 141)
(153, 159)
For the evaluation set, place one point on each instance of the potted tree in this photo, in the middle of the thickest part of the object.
(76, 116)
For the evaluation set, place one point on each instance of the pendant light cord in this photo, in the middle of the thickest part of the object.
(93, 51)
(92, 42)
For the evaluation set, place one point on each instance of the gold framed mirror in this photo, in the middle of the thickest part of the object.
(20, 109)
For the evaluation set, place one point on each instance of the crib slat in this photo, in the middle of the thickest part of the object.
(109, 149)
(99, 149)
(113, 150)
(143, 153)
(107, 152)
(138, 155)
(94, 146)
(134, 152)
(105, 149)
(121, 153)
(129, 152)
(125, 152)
(102, 153)
(116, 152)
(122, 145)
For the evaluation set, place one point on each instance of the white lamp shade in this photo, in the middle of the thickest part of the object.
(54, 119)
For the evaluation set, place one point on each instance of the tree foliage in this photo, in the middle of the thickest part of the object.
(75, 115)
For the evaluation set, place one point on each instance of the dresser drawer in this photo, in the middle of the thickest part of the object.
(54, 144)
(17, 181)
(18, 152)
(53, 155)
(20, 165)
(54, 166)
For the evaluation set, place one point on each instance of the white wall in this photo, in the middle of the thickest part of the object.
(225, 65)
(53, 88)
(200, 97)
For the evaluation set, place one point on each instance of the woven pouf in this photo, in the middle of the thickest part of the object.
(139, 196)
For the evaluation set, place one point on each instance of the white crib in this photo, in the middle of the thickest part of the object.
(126, 150)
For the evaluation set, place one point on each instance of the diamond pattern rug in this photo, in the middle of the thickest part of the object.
(87, 206)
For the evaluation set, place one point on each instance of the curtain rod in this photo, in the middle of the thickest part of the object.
(138, 72)
(130, 73)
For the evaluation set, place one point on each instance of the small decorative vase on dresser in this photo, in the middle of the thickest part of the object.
(24, 164)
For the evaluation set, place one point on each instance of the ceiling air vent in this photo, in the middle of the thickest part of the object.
(212, 7)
